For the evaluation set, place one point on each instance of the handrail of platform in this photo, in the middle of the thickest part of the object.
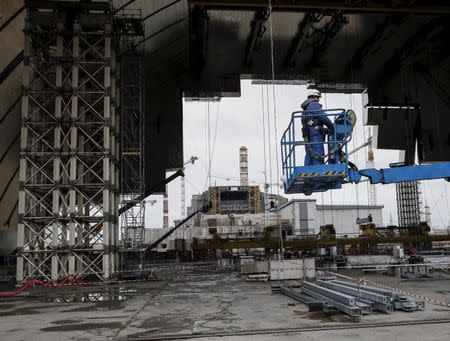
(289, 141)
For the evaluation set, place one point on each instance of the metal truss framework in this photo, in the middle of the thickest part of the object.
(68, 205)
(408, 203)
(132, 185)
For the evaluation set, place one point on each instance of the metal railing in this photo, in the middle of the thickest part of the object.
(292, 138)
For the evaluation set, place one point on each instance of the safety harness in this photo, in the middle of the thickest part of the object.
(308, 123)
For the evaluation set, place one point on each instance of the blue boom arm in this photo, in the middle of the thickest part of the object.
(399, 174)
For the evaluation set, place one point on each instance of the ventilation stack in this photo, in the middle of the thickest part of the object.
(243, 165)
(166, 209)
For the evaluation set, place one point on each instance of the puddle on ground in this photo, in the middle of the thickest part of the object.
(202, 284)
(81, 326)
(99, 306)
(327, 316)
(7, 306)
(166, 322)
(119, 294)
(60, 322)
(19, 311)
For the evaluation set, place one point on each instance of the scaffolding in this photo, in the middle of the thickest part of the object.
(132, 131)
(408, 203)
(68, 190)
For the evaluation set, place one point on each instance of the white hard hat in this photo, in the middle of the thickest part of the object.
(314, 93)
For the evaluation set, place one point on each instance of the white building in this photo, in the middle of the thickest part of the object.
(343, 217)
(301, 217)
(307, 216)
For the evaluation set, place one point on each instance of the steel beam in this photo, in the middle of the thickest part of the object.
(172, 230)
(102, 6)
(129, 2)
(310, 243)
(300, 39)
(349, 310)
(11, 213)
(385, 308)
(331, 30)
(198, 34)
(160, 10)
(366, 307)
(313, 304)
(424, 7)
(256, 34)
(159, 31)
(414, 44)
(11, 18)
(382, 32)
(367, 295)
(380, 291)
(10, 109)
(11, 144)
(335, 295)
(11, 66)
(441, 90)
(9, 183)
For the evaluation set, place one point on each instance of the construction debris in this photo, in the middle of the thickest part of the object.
(351, 299)
(258, 278)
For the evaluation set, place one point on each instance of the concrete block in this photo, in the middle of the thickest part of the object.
(255, 267)
(292, 269)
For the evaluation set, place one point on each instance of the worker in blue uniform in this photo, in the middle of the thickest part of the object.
(315, 128)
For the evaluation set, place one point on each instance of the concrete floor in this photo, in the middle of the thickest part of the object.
(205, 306)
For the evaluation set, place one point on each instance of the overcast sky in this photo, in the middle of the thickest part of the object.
(236, 122)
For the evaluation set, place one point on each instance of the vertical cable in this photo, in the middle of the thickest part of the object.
(272, 62)
(269, 138)
(265, 154)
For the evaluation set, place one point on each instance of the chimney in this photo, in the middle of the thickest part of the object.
(243, 165)
(166, 209)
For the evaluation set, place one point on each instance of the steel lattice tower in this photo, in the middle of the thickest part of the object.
(132, 132)
(68, 207)
(408, 203)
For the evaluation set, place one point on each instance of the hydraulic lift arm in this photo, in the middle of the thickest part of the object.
(405, 173)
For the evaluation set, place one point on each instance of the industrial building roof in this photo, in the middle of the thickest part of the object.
(349, 207)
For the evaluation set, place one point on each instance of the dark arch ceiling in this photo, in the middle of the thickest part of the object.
(397, 49)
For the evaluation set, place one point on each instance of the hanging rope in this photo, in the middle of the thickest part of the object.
(323, 209)
(367, 156)
(264, 133)
(269, 136)
(265, 153)
(446, 202)
(209, 145)
(355, 161)
(434, 202)
(216, 124)
(272, 63)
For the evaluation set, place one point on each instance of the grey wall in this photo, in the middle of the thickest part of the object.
(11, 42)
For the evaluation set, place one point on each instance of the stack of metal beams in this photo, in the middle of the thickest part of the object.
(352, 299)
